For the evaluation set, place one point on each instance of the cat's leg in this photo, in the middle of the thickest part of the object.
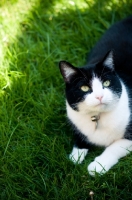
(80, 149)
(110, 156)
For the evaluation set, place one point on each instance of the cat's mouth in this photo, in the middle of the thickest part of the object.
(100, 104)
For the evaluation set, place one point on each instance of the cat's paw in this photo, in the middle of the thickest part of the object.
(78, 155)
(95, 167)
(101, 165)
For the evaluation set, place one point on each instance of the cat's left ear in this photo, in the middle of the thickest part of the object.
(108, 60)
(67, 70)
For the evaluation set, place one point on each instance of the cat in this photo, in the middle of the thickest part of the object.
(98, 99)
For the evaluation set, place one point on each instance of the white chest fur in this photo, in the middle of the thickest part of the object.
(111, 125)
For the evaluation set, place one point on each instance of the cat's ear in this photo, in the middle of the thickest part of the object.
(67, 70)
(109, 60)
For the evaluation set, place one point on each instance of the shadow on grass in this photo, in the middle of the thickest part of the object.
(35, 136)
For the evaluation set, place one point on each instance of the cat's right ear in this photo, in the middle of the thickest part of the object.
(67, 70)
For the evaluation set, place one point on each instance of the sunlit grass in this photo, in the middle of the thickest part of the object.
(35, 138)
(13, 13)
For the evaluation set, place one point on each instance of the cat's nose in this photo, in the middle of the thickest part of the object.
(99, 98)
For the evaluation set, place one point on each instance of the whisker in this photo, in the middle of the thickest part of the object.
(76, 79)
(85, 78)
(102, 71)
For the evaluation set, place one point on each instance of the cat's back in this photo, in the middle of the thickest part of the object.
(118, 38)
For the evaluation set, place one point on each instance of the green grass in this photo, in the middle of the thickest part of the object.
(35, 138)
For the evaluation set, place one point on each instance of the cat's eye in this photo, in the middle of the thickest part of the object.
(106, 83)
(85, 88)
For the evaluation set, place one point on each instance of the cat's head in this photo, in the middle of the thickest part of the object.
(93, 88)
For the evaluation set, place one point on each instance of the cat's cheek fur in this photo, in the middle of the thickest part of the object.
(110, 157)
(77, 155)
(91, 103)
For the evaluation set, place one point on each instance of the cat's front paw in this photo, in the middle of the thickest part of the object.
(95, 167)
(101, 165)
(77, 155)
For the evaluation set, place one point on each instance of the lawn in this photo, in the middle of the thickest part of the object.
(35, 137)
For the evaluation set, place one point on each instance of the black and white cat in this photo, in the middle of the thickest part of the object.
(98, 99)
